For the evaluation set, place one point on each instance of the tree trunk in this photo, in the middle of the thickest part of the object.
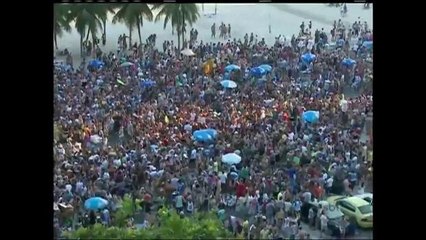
(104, 23)
(55, 40)
(81, 45)
(178, 46)
(139, 32)
(93, 44)
(183, 29)
(88, 32)
(130, 37)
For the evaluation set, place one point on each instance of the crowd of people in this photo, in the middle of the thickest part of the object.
(126, 127)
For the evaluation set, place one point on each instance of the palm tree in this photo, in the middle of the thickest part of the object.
(132, 14)
(103, 13)
(179, 15)
(86, 17)
(61, 22)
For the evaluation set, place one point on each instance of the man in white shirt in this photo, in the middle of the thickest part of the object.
(329, 184)
(222, 177)
(307, 197)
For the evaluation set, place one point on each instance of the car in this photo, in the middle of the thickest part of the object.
(334, 215)
(366, 196)
(355, 208)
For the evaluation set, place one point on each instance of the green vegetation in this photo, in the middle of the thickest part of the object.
(169, 226)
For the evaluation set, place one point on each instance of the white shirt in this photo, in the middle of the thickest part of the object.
(330, 182)
(290, 136)
(307, 196)
(106, 176)
(193, 154)
(310, 44)
(222, 178)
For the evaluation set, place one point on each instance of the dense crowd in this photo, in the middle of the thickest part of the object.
(126, 127)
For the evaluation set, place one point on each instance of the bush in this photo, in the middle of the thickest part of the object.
(199, 226)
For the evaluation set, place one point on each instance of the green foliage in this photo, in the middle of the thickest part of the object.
(126, 211)
(179, 15)
(172, 226)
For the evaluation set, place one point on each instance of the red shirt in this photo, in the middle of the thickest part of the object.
(241, 190)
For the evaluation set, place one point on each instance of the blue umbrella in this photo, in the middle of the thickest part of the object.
(258, 72)
(205, 135)
(311, 116)
(96, 63)
(147, 83)
(232, 67)
(210, 131)
(231, 158)
(95, 203)
(348, 62)
(368, 44)
(228, 84)
(308, 57)
(267, 67)
(202, 137)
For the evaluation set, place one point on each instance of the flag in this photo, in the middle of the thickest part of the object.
(121, 82)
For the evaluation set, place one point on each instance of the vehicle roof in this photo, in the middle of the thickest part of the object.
(370, 195)
(356, 201)
(335, 197)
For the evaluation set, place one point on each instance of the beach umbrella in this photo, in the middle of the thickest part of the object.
(187, 52)
(267, 67)
(205, 135)
(308, 57)
(210, 131)
(148, 83)
(95, 139)
(95, 203)
(257, 72)
(311, 116)
(348, 62)
(232, 67)
(231, 158)
(202, 136)
(228, 84)
(96, 63)
(367, 44)
(126, 64)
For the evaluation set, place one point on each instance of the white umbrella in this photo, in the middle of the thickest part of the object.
(187, 52)
(231, 158)
(96, 139)
(126, 64)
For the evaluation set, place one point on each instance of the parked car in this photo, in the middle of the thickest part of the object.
(366, 196)
(333, 214)
(355, 208)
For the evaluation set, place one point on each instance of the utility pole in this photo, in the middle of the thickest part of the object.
(215, 9)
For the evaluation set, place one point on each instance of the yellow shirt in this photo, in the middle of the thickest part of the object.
(370, 156)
